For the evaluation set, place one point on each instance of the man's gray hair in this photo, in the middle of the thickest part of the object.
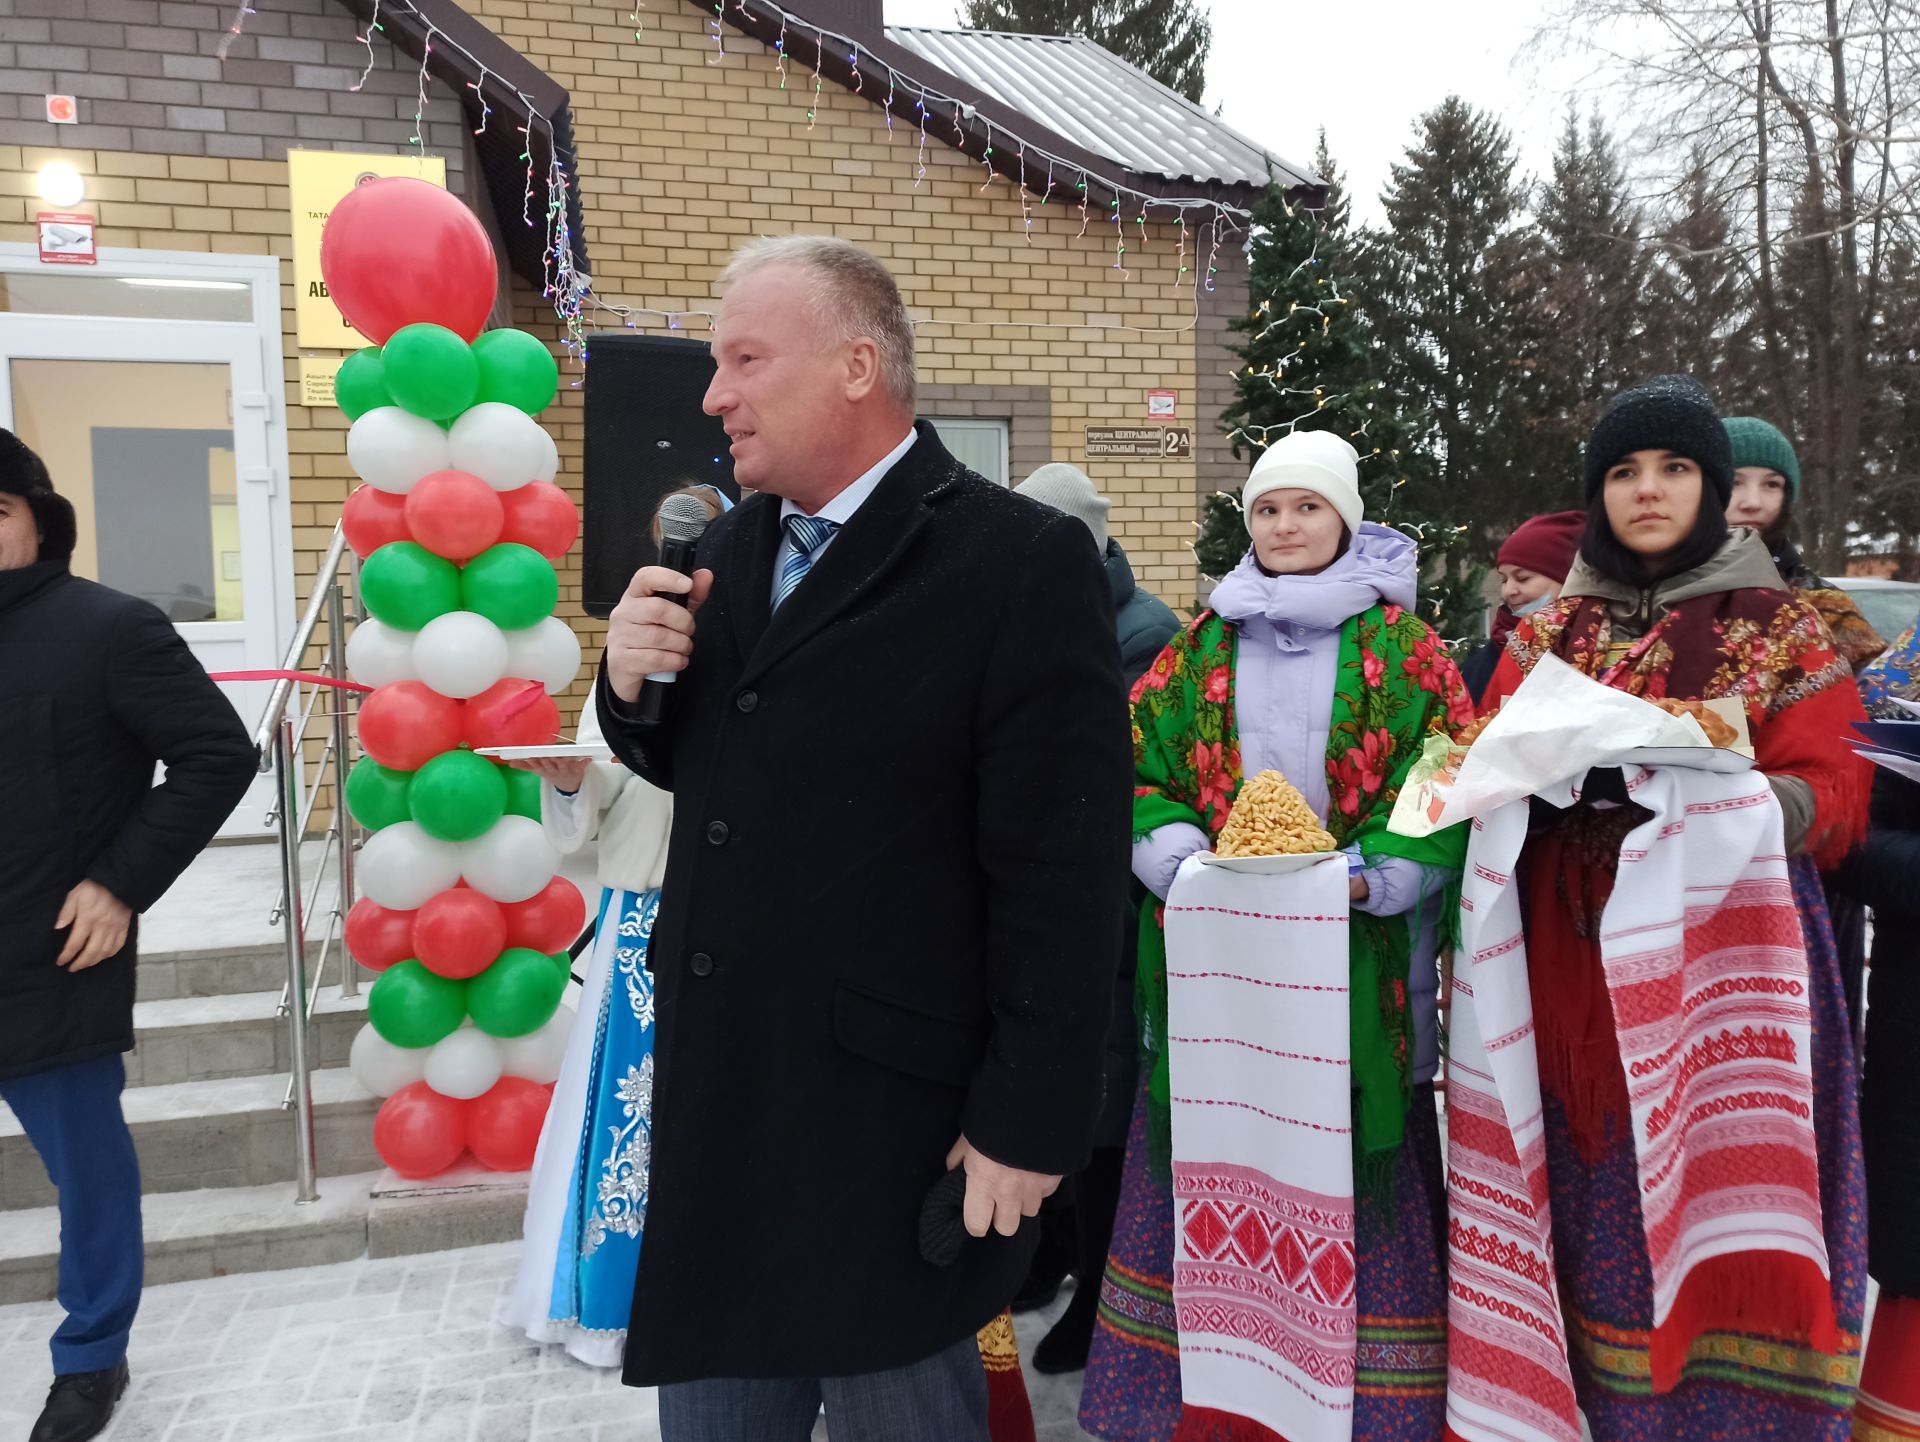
(852, 295)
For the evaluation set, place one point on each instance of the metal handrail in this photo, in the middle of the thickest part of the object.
(279, 740)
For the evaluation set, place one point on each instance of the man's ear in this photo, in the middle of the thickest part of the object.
(863, 368)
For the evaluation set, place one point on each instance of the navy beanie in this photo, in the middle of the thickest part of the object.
(1668, 413)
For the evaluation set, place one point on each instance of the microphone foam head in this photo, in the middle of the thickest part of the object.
(682, 518)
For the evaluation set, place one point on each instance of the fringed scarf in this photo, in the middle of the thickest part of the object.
(1394, 686)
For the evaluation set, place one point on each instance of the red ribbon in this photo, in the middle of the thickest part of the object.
(333, 681)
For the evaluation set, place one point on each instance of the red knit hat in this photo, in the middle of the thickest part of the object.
(1545, 545)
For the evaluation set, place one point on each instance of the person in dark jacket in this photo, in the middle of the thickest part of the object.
(95, 688)
(893, 892)
(1075, 1236)
(1881, 875)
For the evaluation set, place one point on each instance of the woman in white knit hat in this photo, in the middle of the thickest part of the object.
(1310, 662)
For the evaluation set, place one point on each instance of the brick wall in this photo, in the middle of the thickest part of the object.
(681, 159)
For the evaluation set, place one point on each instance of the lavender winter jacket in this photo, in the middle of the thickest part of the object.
(1289, 644)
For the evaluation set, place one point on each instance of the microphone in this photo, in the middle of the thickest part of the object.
(683, 519)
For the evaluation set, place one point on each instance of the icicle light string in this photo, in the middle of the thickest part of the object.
(719, 33)
(366, 39)
(765, 10)
(420, 104)
(478, 87)
(239, 23)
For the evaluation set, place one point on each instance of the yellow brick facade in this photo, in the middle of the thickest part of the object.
(682, 156)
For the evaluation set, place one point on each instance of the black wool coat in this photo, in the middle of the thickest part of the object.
(1882, 874)
(892, 905)
(95, 687)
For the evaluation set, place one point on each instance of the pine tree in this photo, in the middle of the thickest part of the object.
(1450, 282)
(1309, 361)
(1590, 302)
(1168, 39)
(1699, 301)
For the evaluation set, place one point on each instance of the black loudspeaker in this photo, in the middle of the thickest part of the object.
(646, 437)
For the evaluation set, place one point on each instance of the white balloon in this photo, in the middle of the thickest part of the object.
(550, 467)
(392, 449)
(460, 654)
(379, 654)
(499, 443)
(383, 1068)
(548, 653)
(510, 861)
(401, 867)
(537, 1055)
(464, 1064)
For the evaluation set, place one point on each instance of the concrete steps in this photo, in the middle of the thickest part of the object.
(205, 1088)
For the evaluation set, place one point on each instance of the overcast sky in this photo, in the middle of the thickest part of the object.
(1281, 71)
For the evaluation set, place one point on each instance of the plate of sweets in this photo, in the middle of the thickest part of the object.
(1724, 724)
(1271, 829)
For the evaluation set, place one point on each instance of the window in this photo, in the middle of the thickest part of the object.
(978, 445)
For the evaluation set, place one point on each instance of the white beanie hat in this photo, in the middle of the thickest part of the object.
(1066, 488)
(1317, 461)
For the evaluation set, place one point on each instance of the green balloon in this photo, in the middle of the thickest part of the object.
(406, 585)
(517, 994)
(565, 963)
(430, 371)
(410, 1006)
(517, 369)
(377, 795)
(361, 384)
(457, 795)
(513, 586)
(523, 792)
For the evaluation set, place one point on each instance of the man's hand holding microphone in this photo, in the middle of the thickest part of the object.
(651, 631)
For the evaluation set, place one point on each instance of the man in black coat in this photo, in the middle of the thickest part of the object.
(95, 688)
(901, 773)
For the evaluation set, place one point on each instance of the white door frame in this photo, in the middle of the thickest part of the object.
(261, 275)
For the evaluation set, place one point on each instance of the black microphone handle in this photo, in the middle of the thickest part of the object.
(675, 555)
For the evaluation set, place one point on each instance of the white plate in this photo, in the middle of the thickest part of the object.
(1266, 865)
(1699, 758)
(553, 751)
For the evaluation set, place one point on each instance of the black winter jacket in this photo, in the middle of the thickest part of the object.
(95, 688)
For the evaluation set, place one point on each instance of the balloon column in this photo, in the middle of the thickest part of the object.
(457, 527)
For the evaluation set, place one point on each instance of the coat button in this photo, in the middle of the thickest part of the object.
(702, 964)
(717, 833)
(747, 700)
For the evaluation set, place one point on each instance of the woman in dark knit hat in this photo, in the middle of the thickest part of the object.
(1766, 488)
(1665, 602)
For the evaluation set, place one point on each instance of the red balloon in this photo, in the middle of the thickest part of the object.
(378, 938)
(541, 515)
(372, 518)
(405, 725)
(549, 920)
(509, 713)
(420, 1133)
(503, 1127)
(458, 933)
(398, 251)
(454, 515)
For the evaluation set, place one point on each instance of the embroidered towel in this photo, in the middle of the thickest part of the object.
(1260, 1068)
(1708, 978)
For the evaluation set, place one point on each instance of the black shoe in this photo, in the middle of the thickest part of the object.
(1037, 1291)
(80, 1405)
(1065, 1348)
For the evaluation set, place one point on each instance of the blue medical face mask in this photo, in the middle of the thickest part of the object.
(1528, 608)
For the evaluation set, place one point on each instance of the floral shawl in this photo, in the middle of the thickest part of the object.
(1394, 686)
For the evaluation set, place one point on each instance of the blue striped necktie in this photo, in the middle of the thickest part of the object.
(805, 536)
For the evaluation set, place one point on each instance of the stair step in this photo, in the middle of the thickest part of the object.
(206, 1038)
(226, 970)
(217, 1231)
(205, 1233)
(226, 1133)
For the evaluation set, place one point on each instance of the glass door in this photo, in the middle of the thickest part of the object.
(157, 432)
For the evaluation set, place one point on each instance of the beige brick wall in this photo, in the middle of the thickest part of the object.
(681, 159)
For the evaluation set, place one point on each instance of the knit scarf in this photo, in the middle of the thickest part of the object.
(1394, 685)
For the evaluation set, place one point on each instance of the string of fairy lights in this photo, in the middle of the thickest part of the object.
(570, 292)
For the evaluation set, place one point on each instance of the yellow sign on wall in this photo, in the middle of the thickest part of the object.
(317, 180)
(317, 373)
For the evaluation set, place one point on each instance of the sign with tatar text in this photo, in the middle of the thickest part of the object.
(1146, 443)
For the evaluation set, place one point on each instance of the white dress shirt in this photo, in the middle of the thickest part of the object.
(840, 509)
